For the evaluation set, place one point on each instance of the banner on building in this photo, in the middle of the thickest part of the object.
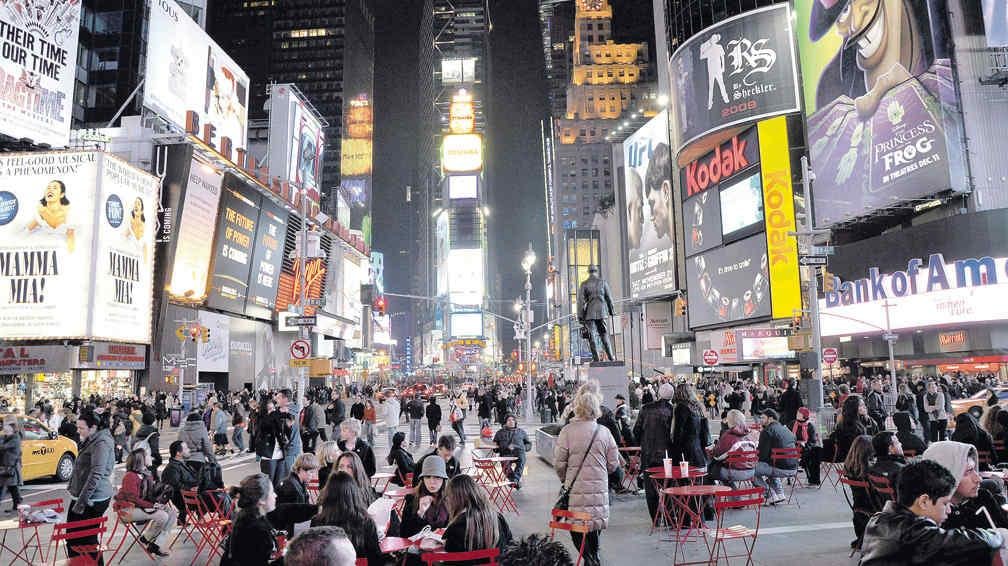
(739, 70)
(778, 211)
(882, 112)
(296, 140)
(650, 221)
(233, 248)
(199, 188)
(267, 260)
(191, 82)
(38, 63)
(657, 323)
(729, 284)
(76, 247)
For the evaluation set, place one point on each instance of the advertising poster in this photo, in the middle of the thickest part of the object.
(313, 277)
(298, 134)
(74, 240)
(657, 322)
(47, 219)
(739, 70)
(189, 77)
(124, 256)
(356, 162)
(214, 354)
(195, 231)
(880, 102)
(649, 215)
(729, 284)
(267, 258)
(232, 258)
(38, 56)
(778, 205)
(764, 343)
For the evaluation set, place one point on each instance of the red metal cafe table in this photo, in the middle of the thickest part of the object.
(9, 526)
(661, 483)
(380, 481)
(400, 545)
(688, 503)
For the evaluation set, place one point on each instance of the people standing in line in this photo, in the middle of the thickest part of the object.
(351, 441)
(239, 423)
(90, 483)
(690, 433)
(391, 413)
(584, 455)
(433, 413)
(654, 430)
(336, 410)
(875, 401)
(132, 505)
(484, 410)
(10, 460)
(310, 425)
(790, 401)
(220, 420)
(934, 406)
(194, 434)
(415, 412)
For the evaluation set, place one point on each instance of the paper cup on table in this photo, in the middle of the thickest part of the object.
(669, 465)
(684, 468)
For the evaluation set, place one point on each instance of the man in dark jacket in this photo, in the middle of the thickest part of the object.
(774, 435)
(789, 402)
(179, 475)
(273, 438)
(654, 429)
(907, 530)
(433, 414)
(971, 492)
(512, 441)
(310, 426)
(889, 458)
(415, 412)
(446, 451)
(875, 402)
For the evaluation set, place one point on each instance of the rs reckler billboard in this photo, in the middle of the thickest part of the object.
(881, 104)
(739, 70)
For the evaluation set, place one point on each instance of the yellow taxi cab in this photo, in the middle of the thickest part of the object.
(44, 453)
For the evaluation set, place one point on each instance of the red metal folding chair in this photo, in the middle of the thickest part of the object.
(499, 489)
(131, 531)
(833, 468)
(207, 524)
(742, 459)
(736, 499)
(882, 488)
(848, 491)
(632, 469)
(485, 556)
(571, 521)
(71, 535)
(782, 455)
(361, 562)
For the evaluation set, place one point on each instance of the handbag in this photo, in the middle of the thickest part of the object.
(7, 471)
(563, 501)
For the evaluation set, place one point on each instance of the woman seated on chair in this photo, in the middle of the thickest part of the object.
(852, 423)
(474, 524)
(327, 454)
(859, 459)
(350, 463)
(133, 505)
(343, 504)
(968, 431)
(400, 458)
(426, 507)
(252, 541)
(736, 438)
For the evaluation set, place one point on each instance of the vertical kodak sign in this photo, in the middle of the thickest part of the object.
(778, 209)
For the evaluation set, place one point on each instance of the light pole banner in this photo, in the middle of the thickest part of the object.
(778, 212)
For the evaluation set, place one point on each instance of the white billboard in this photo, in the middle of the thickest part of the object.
(296, 140)
(462, 153)
(76, 239)
(190, 78)
(930, 292)
(466, 324)
(462, 186)
(38, 62)
(195, 234)
(464, 270)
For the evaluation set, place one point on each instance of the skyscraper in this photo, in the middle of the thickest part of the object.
(326, 48)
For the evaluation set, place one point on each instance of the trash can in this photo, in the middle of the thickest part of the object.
(175, 416)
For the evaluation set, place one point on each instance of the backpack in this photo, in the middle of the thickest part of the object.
(144, 444)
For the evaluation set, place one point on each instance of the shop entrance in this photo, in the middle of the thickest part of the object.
(218, 378)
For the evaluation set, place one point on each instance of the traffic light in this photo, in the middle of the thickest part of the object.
(828, 281)
(380, 305)
(205, 335)
(680, 306)
(796, 323)
(194, 332)
(367, 294)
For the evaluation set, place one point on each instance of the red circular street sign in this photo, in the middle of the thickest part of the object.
(830, 355)
(710, 357)
(300, 349)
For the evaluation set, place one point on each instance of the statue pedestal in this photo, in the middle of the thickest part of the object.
(612, 379)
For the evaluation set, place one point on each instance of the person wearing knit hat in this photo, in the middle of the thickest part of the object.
(426, 507)
(971, 492)
(653, 429)
(807, 438)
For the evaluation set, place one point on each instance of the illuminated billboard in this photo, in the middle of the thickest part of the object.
(462, 153)
(234, 246)
(464, 270)
(195, 231)
(883, 121)
(76, 247)
(296, 140)
(462, 113)
(648, 181)
(729, 284)
(462, 186)
(458, 71)
(356, 149)
(190, 81)
(466, 324)
(37, 69)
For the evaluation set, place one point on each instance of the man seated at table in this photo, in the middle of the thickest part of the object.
(907, 530)
(774, 435)
(512, 441)
(969, 496)
(446, 451)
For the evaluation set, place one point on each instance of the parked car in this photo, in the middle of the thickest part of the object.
(44, 453)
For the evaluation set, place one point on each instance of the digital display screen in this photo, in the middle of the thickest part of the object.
(741, 205)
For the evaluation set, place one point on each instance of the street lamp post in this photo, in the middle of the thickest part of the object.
(527, 262)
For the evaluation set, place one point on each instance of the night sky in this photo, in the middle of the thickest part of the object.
(514, 162)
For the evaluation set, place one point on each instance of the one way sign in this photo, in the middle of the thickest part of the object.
(812, 260)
